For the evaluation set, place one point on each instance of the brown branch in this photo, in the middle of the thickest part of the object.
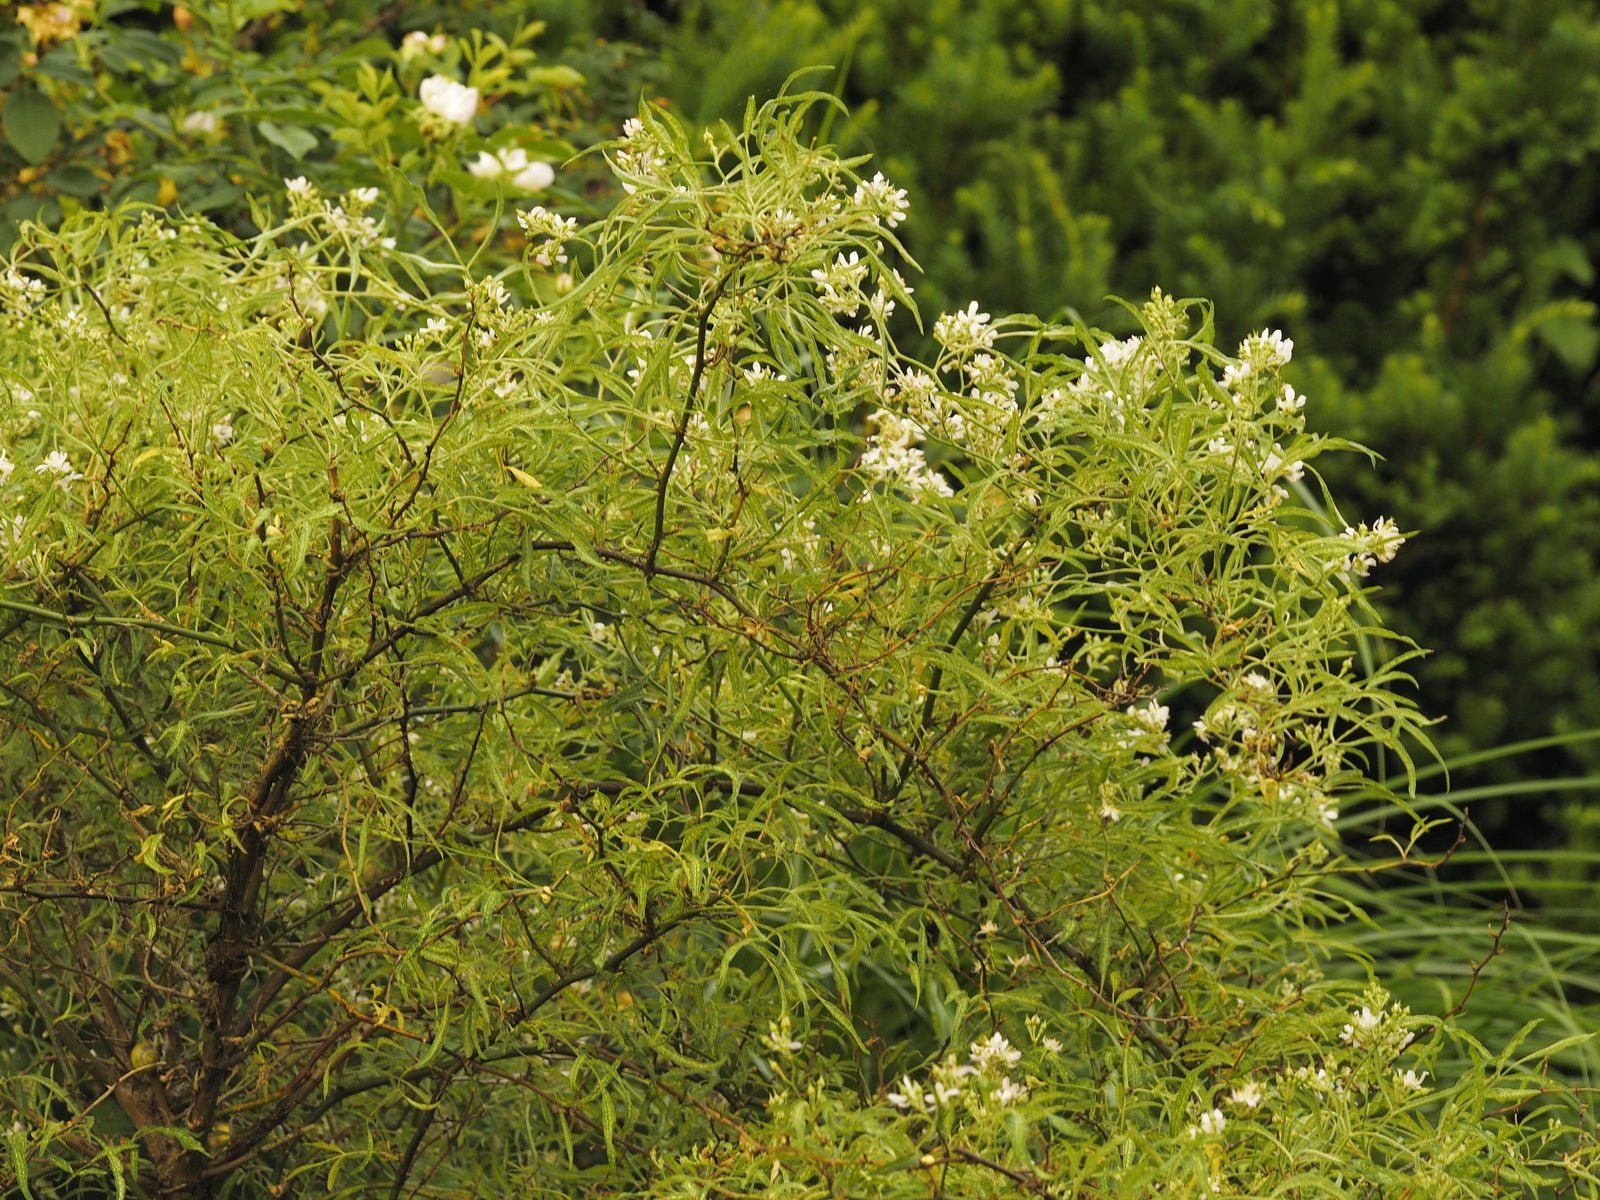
(680, 430)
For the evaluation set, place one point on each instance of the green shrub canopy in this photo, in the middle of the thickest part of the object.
(644, 733)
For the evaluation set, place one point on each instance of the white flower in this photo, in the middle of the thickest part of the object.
(1411, 1080)
(1387, 539)
(222, 432)
(909, 1095)
(995, 1048)
(1248, 1096)
(840, 284)
(1110, 812)
(300, 186)
(640, 155)
(1211, 1124)
(1267, 349)
(1290, 401)
(1273, 465)
(887, 201)
(1151, 715)
(1368, 547)
(758, 373)
(1009, 1092)
(1365, 1023)
(201, 122)
(451, 101)
(539, 221)
(527, 175)
(6, 467)
(1053, 1045)
(891, 457)
(58, 464)
(600, 632)
(964, 332)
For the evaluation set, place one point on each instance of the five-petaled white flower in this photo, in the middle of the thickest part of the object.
(58, 464)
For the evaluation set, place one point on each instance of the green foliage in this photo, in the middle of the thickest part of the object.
(199, 108)
(469, 736)
(1409, 187)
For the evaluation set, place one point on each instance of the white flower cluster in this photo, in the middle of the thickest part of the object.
(350, 218)
(513, 164)
(881, 303)
(22, 293)
(1151, 717)
(451, 102)
(893, 457)
(539, 221)
(1259, 354)
(987, 1066)
(640, 153)
(1274, 466)
(839, 284)
(888, 202)
(1245, 747)
(57, 468)
(964, 332)
(993, 391)
(1381, 1029)
(1119, 370)
(1368, 547)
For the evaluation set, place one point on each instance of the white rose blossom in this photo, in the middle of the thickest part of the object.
(450, 101)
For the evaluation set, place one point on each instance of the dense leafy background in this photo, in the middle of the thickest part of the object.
(1410, 189)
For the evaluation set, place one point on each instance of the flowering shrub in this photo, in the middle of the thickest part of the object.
(199, 107)
(478, 734)
(1408, 186)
